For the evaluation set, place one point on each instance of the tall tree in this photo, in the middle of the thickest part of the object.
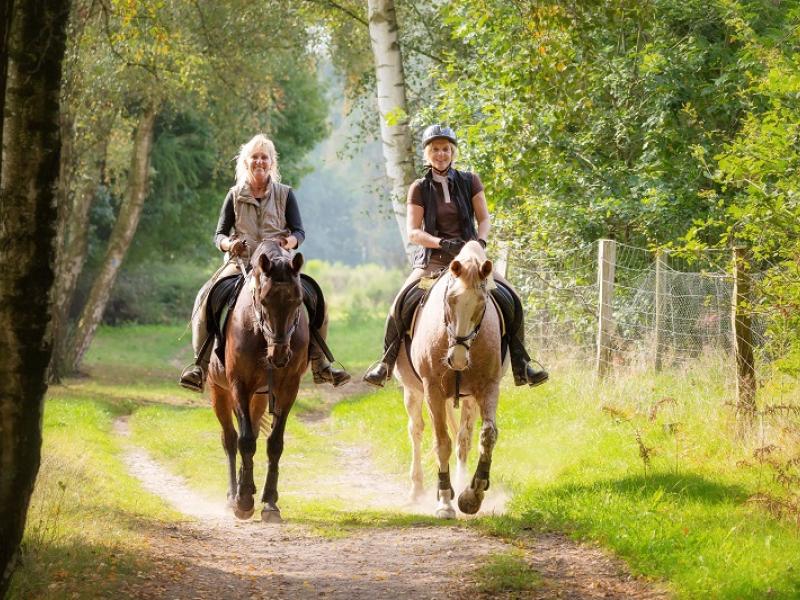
(392, 106)
(121, 237)
(28, 213)
(171, 56)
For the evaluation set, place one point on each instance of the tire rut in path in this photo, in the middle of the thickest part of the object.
(218, 555)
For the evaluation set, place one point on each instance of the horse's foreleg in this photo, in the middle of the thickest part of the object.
(444, 447)
(270, 513)
(466, 429)
(413, 402)
(221, 402)
(471, 498)
(247, 449)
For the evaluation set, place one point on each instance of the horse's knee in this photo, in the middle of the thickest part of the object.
(247, 445)
(488, 436)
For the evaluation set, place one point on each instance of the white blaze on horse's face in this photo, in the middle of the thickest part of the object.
(465, 305)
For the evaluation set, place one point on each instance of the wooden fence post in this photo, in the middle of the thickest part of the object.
(606, 266)
(741, 323)
(658, 342)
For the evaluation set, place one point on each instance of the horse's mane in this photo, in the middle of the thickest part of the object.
(281, 260)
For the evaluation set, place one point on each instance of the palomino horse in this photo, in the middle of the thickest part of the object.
(457, 330)
(266, 347)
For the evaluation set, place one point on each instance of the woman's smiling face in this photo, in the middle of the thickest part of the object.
(259, 164)
(440, 154)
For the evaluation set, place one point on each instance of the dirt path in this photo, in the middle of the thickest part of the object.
(218, 556)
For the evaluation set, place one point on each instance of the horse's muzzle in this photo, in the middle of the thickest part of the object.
(278, 357)
(457, 359)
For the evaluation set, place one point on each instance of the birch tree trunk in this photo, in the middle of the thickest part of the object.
(121, 237)
(391, 91)
(32, 59)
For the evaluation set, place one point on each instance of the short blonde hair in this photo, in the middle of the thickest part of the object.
(426, 152)
(258, 142)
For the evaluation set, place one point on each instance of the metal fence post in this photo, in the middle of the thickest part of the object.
(606, 266)
(658, 342)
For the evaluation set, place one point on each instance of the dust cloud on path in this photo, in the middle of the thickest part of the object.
(218, 556)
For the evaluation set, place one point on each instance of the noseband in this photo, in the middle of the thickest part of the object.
(454, 340)
(261, 325)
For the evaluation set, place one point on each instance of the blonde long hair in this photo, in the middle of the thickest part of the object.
(258, 142)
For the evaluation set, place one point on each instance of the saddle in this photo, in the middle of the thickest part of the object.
(412, 298)
(224, 293)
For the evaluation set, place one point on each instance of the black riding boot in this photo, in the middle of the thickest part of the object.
(193, 376)
(521, 367)
(382, 372)
(321, 369)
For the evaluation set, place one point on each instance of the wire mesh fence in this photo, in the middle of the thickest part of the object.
(666, 309)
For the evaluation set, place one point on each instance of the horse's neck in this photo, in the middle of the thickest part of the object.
(430, 320)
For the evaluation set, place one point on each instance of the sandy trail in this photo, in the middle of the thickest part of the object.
(217, 555)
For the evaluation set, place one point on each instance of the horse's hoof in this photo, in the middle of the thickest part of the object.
(445, 513)
(244, 507)
(271, 515)
(243, 515)
(470, 500)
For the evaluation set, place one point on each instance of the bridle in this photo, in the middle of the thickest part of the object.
(454, 340)
(261, 325)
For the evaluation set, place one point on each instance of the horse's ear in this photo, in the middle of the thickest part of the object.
(455, 268)
(486, 269)
(263, 262)
(297, 263)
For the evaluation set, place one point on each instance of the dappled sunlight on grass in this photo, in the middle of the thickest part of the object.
(570, 452)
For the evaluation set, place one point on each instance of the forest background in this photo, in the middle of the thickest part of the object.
(660, 124)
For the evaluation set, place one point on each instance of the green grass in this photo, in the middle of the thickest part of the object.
(507, 573)
(576, 467)
(87, 520)
(567, 452)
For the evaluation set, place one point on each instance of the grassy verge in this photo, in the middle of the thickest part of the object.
(87, 524)
(647, 466)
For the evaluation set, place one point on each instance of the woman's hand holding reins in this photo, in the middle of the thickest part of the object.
(289, 242)
(452, 246)
(237, 247)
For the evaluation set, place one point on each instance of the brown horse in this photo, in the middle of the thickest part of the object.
(457, 330)
(266, 354)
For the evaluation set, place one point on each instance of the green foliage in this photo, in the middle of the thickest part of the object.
(589, 116)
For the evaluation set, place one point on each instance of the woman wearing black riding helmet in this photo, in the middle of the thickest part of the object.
(443, 208)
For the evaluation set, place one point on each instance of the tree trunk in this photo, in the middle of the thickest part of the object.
(80, 175)
(121, 237)
(28, 216)
(391, 88)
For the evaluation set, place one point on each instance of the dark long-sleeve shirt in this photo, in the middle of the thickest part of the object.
(227, 219)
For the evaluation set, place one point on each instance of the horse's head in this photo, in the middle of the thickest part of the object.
(465, 302)
(279, 298)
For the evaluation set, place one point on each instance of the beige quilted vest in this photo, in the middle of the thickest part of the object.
(258, 221)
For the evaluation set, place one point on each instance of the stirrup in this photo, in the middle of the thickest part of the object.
(330, 374)
(377, 375)
(188, 378)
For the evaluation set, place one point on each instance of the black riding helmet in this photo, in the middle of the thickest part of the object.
(435, 132)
